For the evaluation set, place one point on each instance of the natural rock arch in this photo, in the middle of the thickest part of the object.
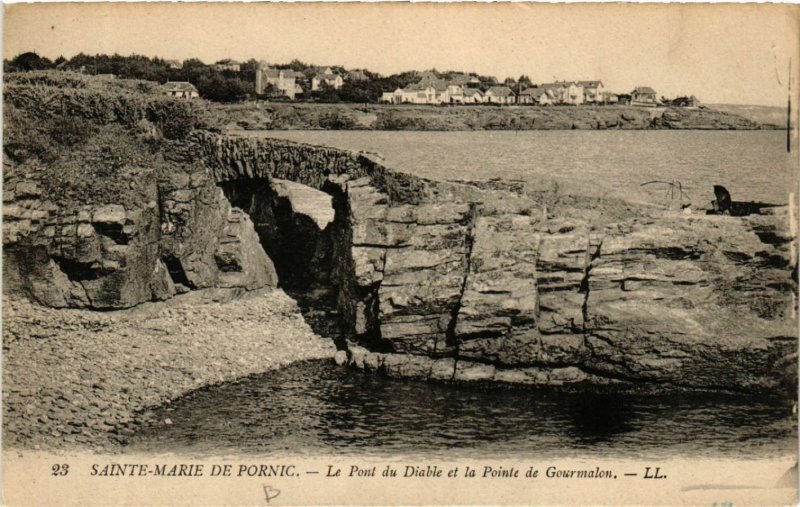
(437, 279)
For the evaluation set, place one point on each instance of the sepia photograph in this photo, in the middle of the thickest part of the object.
(400, 254)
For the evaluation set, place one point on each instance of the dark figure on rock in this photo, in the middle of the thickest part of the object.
(722, 202)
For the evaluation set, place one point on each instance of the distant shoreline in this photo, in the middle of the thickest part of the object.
(348, 116)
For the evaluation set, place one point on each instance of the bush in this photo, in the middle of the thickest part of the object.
(390, 120)
(335, 120)
(27, 137)
(176, 118)
(79, 103)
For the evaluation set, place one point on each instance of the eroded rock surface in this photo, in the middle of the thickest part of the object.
(185, 236)
(440, 280)
(483, 281)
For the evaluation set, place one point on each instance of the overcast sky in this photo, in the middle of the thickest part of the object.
(721, 53)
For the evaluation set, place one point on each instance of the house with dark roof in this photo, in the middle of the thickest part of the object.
(174, 64)
(643, 96)
(472, 96)
(228, 64)
(356, 75)
(499, 95)
(555, 92)
(442, 89)
(534, 95)
(463, 79)
(180, 89)
(428, 77)
(610, 98)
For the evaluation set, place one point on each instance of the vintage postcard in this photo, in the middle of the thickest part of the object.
(400, 254)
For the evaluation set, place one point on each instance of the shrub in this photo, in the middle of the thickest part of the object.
(176, 118)
(336, 120)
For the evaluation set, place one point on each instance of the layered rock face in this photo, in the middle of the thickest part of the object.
(481, 281)
(464, 281)
(186, 236)
(659, 299)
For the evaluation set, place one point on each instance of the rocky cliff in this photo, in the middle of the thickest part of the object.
(476, 281)
(443, 280)
(185, 236)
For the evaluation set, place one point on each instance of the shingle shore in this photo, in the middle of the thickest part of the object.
(76, 378)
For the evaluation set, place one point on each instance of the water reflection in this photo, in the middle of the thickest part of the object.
(316, 407)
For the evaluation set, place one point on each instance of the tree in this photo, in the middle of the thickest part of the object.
(29, 61)
(218, 87)
(270, 91)
(524, 81)
(247, 71)
(360, 91)
(326, 93)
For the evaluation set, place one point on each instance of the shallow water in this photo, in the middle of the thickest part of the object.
(752, 165)
(318, 408)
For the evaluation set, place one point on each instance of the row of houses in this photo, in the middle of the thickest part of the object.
(459, 91)
(284, 81)
(430, 89)
(288, 82)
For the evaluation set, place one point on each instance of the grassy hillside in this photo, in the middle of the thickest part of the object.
(85, 139)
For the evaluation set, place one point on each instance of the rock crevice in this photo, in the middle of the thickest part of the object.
(440, 280)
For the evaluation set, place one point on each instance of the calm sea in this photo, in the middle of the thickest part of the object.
(316, 407)
(752, 165)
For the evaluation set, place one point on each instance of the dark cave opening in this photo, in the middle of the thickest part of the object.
(296, 227)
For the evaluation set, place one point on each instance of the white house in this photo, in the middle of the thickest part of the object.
(592, 91)
(472, 96)
(535, 95)
(564, 92)
(555, 92)
(283, 80)
(574, 94)
(328, 77)
(455, 92)
(643, 96)
(180, 89)
(228, 64)
(442, 89)
(499, 95)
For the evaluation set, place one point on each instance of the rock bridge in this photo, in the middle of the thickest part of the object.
(442, 280)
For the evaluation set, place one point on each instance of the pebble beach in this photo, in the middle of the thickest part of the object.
(76, 378)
